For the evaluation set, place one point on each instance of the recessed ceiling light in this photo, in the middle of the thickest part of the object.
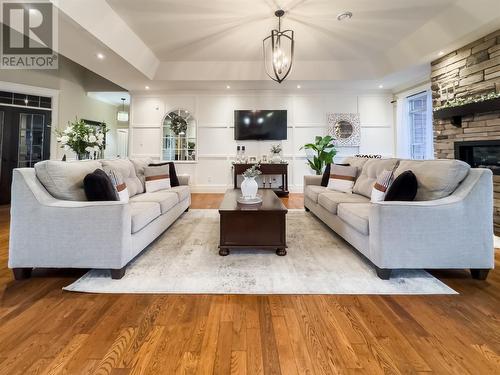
(344, 16)
(441, 53)
(299, 86)
(228, 87)
(380, 86)
(146, 87)
(100, 56)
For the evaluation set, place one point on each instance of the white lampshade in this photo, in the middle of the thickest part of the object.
(122, 116)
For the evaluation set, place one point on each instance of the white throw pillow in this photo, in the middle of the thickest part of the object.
(381, 186)
(119, 185)
(342, 178)
(157, 178)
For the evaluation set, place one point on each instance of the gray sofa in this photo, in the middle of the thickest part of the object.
(58, 229)
(448, 226)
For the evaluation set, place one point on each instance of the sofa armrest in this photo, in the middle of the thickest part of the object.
(47, 232)
(452, 232)
(183, 179)
(312, 180)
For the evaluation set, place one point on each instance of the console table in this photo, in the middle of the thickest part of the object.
(266, 169)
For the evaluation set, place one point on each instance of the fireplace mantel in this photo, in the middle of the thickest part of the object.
(456, 113)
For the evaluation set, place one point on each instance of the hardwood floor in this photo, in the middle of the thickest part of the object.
(44, 330)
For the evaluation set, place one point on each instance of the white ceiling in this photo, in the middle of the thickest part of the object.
(232, 30)
(206, 44)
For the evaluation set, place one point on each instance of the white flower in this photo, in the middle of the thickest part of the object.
(64, 139)
(86, 138)
(66, 148)
(100, 136)
(99, 142)
(96, 148)
(92, 138)
(68, 130)
(89, 149)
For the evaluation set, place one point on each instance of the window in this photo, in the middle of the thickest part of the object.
(418, 111)
(179, 136)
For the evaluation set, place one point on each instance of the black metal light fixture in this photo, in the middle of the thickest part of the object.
(278, 51)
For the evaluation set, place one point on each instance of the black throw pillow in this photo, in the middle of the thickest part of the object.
(98, 187)
(404, 188)
(326, 174)
(174, 181)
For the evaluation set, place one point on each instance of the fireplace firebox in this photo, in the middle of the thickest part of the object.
(480, 154)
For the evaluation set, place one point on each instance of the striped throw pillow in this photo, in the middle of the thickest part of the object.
(381, 186)
(342, 178)
(119, 184)
(157, 178)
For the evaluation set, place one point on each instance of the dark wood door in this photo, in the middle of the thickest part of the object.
(24, 141)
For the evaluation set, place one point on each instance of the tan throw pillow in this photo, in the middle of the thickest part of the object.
(381, 186)
(342, 178)
(157, 178)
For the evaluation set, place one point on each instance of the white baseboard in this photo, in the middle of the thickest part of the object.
(223, 188)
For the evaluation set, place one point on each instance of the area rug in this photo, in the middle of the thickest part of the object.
(185, 259)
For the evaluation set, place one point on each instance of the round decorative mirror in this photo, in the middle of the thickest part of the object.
(179, 136)
(343, 129)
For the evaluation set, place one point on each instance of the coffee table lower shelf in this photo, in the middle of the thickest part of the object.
(225, 250)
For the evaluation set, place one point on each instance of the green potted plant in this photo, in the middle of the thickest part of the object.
(324, 152)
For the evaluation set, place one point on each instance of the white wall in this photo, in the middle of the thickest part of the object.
(216, 145)
(70, 81)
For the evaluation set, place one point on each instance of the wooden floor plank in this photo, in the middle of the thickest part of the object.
(44, 330)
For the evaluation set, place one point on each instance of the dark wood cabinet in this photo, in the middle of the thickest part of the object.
(266, 169)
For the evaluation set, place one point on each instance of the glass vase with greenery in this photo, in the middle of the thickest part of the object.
(324, 153)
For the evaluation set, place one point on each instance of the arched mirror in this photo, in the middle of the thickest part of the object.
(179, 136)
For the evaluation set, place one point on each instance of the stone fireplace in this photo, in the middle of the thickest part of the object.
(470, 132)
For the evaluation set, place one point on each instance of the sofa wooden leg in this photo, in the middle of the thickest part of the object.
(22, 273)
(479, 274)
(383, 273)
(307, 209)
(118, 274)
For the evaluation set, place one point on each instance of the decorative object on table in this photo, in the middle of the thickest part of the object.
(122, 115)
(83, 139)
(249, 186)
(325, 152)
(264, 158)
(342, 178)
(252, 159)
(278, 51)
(276, 153)
(238, 154)
(344, 128)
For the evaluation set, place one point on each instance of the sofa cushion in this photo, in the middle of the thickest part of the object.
(156, 178)
(357, 162)
(356, 215)
(64, 180)
(165, 198)
(127, 171)
(143, 213)
(331, 199)
(312, 192)
(404, 188)
(182, 191)
(139, 165)
(436, 178)
(371, 170)
(174, 180)
(342, 178)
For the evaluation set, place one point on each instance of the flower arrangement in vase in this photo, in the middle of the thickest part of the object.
(276, 153)
(81, 138)
(249, 186)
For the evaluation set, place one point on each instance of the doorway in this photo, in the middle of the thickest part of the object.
(24, 141)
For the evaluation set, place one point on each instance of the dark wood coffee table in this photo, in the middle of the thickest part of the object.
(252, 227)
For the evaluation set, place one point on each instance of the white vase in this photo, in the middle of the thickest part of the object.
(276, 158)
(249, 188)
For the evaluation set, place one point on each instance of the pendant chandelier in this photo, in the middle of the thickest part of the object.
(122, 115)
(278, 51)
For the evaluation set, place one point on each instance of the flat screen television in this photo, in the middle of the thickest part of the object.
(260, 125)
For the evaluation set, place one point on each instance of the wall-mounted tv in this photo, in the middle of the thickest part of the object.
(260, 125)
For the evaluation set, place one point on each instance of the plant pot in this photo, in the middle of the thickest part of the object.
(276, 158)
(249, 188)
(83, 156)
